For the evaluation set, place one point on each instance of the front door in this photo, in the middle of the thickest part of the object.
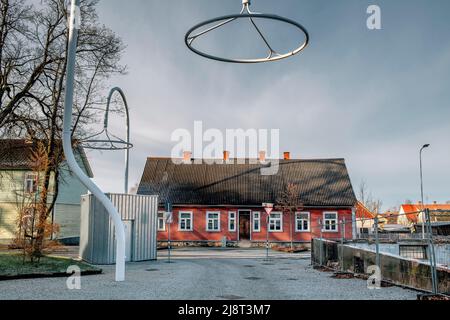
(244, 225)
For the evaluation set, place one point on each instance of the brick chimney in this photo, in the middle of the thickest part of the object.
(287, 156)
(187, 156)
(226, 156)
(262, 156)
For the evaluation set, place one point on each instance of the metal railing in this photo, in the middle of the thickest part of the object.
(425, 247)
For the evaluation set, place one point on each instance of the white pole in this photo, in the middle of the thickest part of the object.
(67, 142)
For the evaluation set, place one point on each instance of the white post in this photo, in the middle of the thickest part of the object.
(67, 142)
(354, 224)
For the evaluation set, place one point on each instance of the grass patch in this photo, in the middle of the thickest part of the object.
(12, 267)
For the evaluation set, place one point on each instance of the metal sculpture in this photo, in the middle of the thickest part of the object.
(104, 140)
(74, 25)
(119, 144)
(273, 55)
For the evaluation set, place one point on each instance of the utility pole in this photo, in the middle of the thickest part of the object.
(421, 190)
(377, 243)
(431, 252)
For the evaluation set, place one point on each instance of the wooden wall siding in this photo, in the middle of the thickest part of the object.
(8, 221)
(200, 233)
(67, 209)
(67, 216)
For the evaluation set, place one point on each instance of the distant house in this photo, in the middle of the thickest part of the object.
(18, 184)
(411, 214)
(224, 200)
(364, 219)
(389, 217)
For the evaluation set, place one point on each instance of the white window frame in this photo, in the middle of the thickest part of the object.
(297, 218)
(33, 178)
(163, 218)
(256, 219)
(234, 219)
(207, 221)
(337, 221)
(191, 219)
(281, 222)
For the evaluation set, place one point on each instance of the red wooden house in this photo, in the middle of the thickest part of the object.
(213, 201)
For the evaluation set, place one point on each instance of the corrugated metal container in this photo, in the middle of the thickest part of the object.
(97, 236)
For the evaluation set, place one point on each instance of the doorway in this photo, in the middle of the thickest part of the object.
(128, 239)
(244, 225)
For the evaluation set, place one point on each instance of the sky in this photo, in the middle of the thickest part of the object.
(373, 97)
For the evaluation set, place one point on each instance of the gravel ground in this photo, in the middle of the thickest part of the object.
(207, 274)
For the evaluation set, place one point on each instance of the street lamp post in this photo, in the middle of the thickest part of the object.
(268, 207)
(421, 190)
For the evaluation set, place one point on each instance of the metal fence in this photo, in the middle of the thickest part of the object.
(416, 255)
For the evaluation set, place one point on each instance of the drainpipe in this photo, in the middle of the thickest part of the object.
(354, 226)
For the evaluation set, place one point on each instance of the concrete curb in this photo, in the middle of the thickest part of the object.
(48, 275)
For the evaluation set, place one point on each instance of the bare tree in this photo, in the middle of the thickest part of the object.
(289, 203)
(367, 199)
(20, 64)
(33, 83)
(134, 189)
(30, 219)
(363, 190)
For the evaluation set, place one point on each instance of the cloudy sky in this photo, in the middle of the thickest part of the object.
(373, 97)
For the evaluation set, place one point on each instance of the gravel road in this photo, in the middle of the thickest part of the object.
(209, 274)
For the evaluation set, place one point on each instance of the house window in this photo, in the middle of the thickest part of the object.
(330, 221)
(256, 222)
(302, 221)
(185, 223)
(232, 221)
(364, 231)
(30, 183)
(414, 252)
(276, 222)
(161, 221)
(213, 221)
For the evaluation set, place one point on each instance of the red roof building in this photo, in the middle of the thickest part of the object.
(364, 219)
(223, 199)
(410, 214)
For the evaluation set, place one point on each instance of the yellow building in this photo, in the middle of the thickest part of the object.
(18, 184)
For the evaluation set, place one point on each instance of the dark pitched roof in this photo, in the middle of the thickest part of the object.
(321, 182)
(15, 154)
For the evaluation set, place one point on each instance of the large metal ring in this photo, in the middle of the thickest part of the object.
(107, 145)
(273, 56)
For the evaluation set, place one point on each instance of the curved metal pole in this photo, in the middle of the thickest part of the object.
(127, 151)
(67, 143)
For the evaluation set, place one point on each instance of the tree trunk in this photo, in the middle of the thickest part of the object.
(42, 214)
